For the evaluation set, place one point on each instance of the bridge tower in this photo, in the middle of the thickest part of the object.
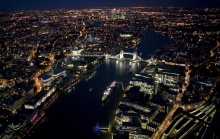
(135, 54)
(121, 54)
(106, 56)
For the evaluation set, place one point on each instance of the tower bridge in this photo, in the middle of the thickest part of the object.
(135, 56)
(120, 56)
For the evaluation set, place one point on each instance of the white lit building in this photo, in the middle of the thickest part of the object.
(167, 77)
(145, 82)
(48, 78)
(38, 99)
(139, 136)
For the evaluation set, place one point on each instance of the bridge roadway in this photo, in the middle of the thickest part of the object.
(90, 55)
(120, 56)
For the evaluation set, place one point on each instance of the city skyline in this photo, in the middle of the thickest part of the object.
(57, 66)
(14, 5)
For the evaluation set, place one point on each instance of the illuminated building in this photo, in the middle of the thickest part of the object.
(167, 77)
(59, 72)
(48, 78)
(145, 82)
(38, 99)
(125, 35)
(141, 135)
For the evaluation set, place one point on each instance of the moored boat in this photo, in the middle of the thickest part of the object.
(90, 75)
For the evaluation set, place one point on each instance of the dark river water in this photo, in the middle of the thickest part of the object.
(74, 114)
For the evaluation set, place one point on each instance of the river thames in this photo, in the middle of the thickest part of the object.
(75, 114)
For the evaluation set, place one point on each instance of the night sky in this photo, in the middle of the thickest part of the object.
(11, 5)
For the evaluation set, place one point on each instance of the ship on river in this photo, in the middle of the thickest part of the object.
(108, 91)
(69, 88)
